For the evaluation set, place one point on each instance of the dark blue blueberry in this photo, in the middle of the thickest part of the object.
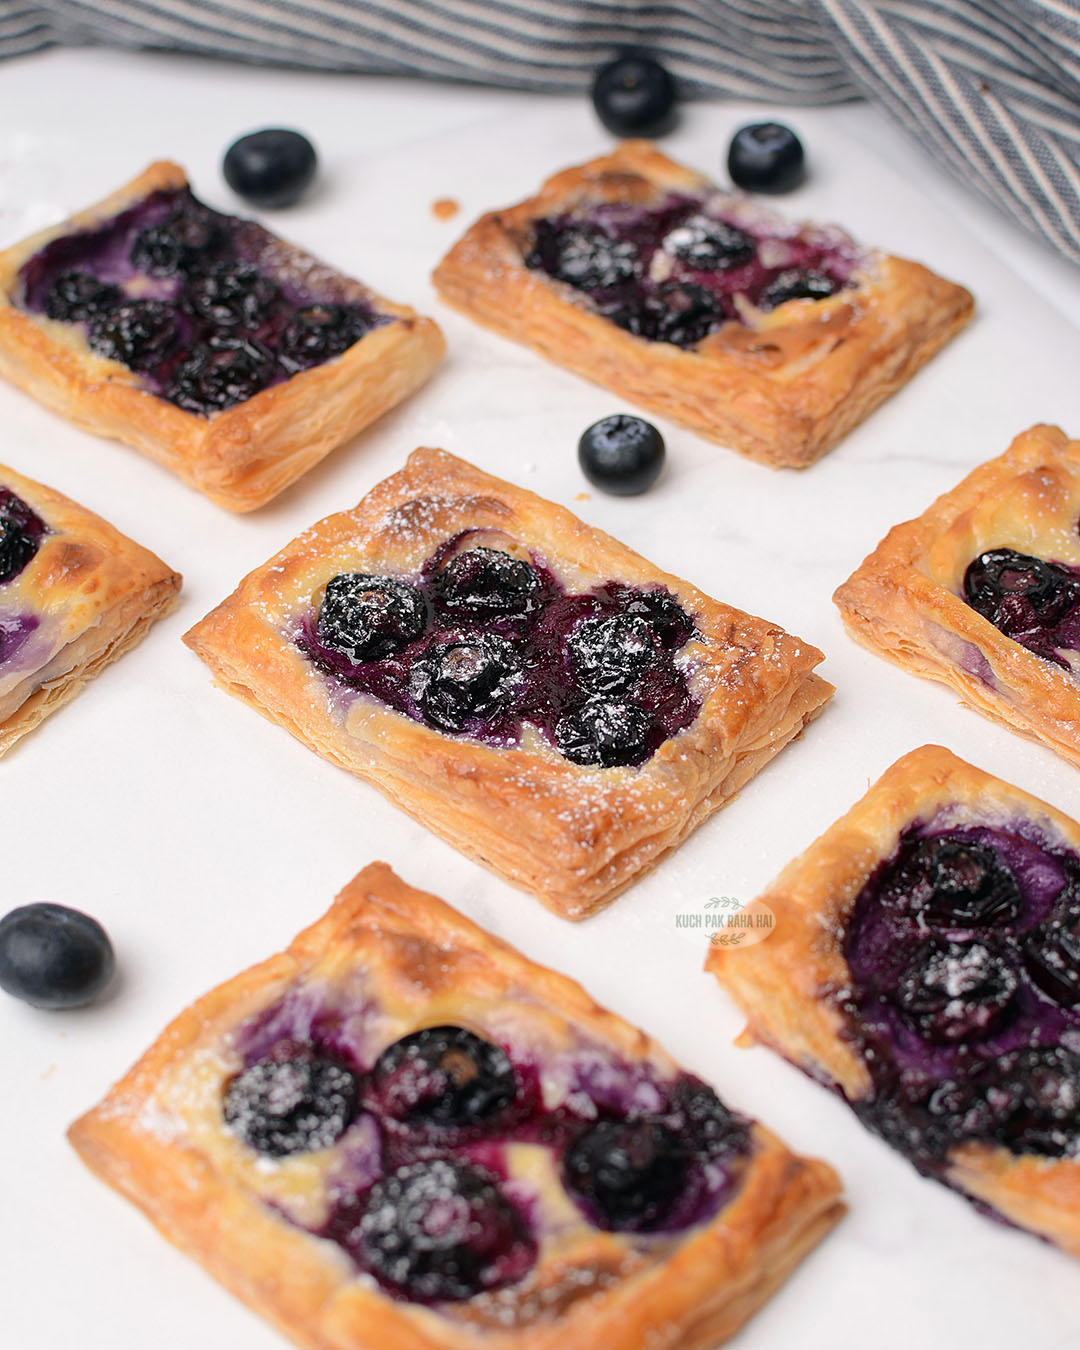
(679, 313)
(482, 581)
(441, 1231)
(443, 1076)
(622, 455)
(77, 296)
(318, 333)
(582, 256)
(54, 957)
(796, 284)
(709, 245)
(219, 375)
(370, 617)
(766, 157)
(1052, 958)
(21, 531)
(1037, 1102)
(138, 333)
(231, 294)
(271, 168)
(458, 679)
(283, 1106)
(609, 654)
(952, 992)
(702, 1124)
(626, 1175)
(672, 623)
(1019, 593)
(634, 95)
(952, 883)
(604, 731)
(189, 239)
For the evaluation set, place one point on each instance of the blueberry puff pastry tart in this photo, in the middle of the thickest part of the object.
(638, 273)
(982, 591)
(75, 594)
(525, 686)
(925, 964)
(230, 356)
(402, 1134)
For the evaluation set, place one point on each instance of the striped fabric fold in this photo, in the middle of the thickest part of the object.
(991, 88)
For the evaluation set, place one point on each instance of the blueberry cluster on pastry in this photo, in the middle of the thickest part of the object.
(524, 685)
(931, 939)
(202, 339)
(75, 594)
(401, 1127)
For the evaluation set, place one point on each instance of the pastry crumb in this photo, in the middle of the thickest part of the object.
(582, 497)
(444, 208)
(48, 1072)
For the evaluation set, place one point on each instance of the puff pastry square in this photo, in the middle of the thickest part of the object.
(982, 591)
(552, 705)
(925, 964)
(75, 594)
(698, 304)
(382, 1138)
(231, 357)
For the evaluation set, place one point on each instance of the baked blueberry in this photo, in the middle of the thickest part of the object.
(1038, 1102)
(318, 333)
(582, 256)
(952, 883)
(1052, 959)
(77, 296)
(21, 531)
(709, 245)
(766, 157)
(283, 1106)
(634, 95)
(442, 1231)
(627, 1175)
(221, 374)
(621, 454)
(796, 284)
(1019, 593)
(952, 992)
(604, 732)
(54, 957)
(370, 617)
(702, 1123)
(271, 168)
(139, 333)
(671, 622)
(608, 654)
(444, 1076)
(189, 238)
(231, 293)
(679, 313)
(458, 679)
(484, 581)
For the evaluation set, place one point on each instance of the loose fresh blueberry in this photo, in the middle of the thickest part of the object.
(583, 256)
(1042, 1114)
(220, 375)
(1019, 593)
(318, 333)
(444, 1076)
(609, 654)
(271, 168)
(228, 294)
(462, 678)
(370, 617)
(283, 1106)
(1052, 959)
(605, 732)
(634, 95)
(766, 157)
(77, 296)
(138, 333)
(482, 581)
(190, 238)
(952, 992)
(952, 883)
(442, 1231)
(21, 532)
(621, 454)
(796, 284)
(626, 1175)
(709, 245)
(679, 313)
(54, 957)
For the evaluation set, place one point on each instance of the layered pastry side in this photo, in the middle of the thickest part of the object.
(524, 685)
(773, 337)
(234, 358)
(982, 591)
(75, 594)
(926, 965)
(400, 1131)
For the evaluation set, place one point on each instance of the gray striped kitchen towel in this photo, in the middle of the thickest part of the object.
(990, 87)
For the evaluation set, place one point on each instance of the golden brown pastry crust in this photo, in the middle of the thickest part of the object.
(243, 457)
(573, 836)
(782, 984)
(158, 1138)
(96, 593)
(783, 388)
(904, 601)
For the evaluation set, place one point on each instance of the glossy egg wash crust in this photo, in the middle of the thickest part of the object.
(926, 965)
(202, 339)
(638, 273)
(400, 1132)
(527, 687)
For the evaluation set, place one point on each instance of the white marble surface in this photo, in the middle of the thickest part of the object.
(204, 838)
